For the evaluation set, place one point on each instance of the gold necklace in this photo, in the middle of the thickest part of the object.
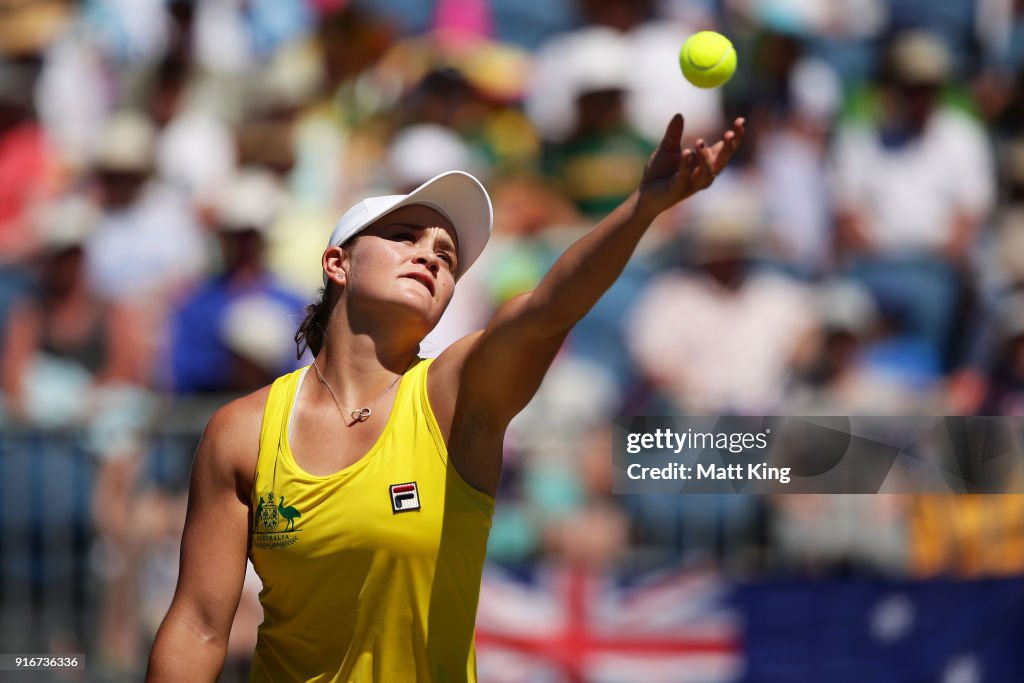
(360, 414)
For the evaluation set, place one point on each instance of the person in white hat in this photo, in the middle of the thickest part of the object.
(362, 486)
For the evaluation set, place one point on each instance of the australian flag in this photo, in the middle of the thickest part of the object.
(842, 631)
(567, 626)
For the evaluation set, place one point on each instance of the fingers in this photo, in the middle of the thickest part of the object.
(735, 136)
(707, 156)
(701, 164)
(705, 171)
(719, 155)
(683, 178)
(730, 142)
(689, 161)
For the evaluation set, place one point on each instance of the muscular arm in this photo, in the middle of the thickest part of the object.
(192, 640)
(489, 376)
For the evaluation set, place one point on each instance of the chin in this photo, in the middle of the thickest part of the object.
(411, 304)
(415, 310)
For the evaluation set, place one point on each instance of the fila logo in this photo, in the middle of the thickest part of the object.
(404, 497)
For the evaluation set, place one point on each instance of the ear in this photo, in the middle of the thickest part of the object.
(335, 263)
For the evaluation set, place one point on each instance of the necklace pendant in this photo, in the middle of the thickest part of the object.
(361, 415)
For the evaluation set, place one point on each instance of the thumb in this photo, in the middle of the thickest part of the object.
(671, 142)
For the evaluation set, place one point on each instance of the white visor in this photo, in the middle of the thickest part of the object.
(455, 194)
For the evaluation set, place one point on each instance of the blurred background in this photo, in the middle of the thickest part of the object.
(170, 171)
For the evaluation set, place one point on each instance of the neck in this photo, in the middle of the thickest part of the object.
(358, 368)
(364, 349)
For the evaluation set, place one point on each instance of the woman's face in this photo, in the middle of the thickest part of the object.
(409, 259)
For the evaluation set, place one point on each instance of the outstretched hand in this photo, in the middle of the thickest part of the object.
(673, 174)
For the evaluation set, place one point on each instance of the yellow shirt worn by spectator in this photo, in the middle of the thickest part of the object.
(370, 574)
(968, 536)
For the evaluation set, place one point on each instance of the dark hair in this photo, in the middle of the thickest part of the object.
(313, 328)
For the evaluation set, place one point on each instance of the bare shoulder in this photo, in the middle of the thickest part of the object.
(230, 443)
(237, 419)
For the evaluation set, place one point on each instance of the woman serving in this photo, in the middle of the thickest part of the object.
(362, 486)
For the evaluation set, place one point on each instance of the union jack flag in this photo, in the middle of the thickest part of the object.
(568, 626)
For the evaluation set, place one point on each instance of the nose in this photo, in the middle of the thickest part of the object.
(428, 259)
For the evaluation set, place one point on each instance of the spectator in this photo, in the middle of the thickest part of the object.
(73, 360)
(72, 357)
(195, 150)
(149, 243)
(27, 163)
(654, 88)
(790, 157)
(952, 21)
(203, 332)
(721, 339)
(914, 186)
(842, 375)
(602, 156)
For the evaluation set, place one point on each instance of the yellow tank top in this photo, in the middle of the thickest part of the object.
(370, 574)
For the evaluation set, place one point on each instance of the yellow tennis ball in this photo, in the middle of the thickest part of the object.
(708, 59)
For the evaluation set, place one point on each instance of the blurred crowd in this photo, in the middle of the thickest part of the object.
(170, 171)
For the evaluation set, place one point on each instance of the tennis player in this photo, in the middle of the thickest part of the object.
(362, 486)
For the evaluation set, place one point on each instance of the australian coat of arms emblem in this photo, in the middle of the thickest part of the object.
(270, 517)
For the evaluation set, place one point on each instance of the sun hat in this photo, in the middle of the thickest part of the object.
(847, 305)
(251, 200)
(126, 144)
(66, 222)
(920, 57)
(456, 194)
(423, 151)
(256, 328)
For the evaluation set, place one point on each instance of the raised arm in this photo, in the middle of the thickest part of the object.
(491, 375)
(191, 643)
